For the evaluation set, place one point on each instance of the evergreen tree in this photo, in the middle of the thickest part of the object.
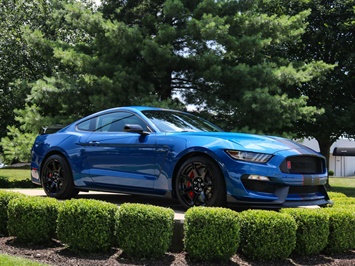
(230, 59)
(329, 37)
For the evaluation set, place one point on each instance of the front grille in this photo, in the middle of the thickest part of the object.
(267, 187)
(259, 186)
(303, 165)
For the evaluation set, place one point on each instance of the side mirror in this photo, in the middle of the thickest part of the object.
(134, 128)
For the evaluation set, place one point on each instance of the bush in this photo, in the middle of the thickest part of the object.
(330, 172)
(86, 225)
(341, 202)
(267, 235)
(144, 231)
(341, 229)
(17, 145)
(6, 183)
(336, 195)
(312, 230)
(33, 219)
(5, 198)
(211, 233)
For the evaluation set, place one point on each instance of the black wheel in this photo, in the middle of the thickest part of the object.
(57, 179)
(199, 182)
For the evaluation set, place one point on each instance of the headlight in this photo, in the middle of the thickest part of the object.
(248, 156)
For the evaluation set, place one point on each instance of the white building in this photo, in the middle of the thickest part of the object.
(342, 156)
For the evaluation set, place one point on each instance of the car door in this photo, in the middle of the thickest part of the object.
(117, 159)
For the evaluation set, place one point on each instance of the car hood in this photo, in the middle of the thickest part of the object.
(251, 142)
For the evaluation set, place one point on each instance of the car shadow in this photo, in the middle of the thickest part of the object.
(118, 198)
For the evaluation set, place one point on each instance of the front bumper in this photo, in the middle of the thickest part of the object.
(262, 194)
(287, 180)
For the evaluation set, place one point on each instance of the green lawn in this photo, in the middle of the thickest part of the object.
(15, 261)
(15, 178)
(344, 185)
(15, 174)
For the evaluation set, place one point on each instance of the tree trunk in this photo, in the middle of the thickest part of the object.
(324, 146)
(164, 86)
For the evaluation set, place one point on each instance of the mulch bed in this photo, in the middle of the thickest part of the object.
(57, 254)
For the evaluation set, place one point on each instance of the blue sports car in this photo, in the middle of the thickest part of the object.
(168, 153)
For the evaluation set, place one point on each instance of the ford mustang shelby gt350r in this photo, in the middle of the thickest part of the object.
(154, 151)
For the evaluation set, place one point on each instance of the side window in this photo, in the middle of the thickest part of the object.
(114, 122)
(136, 120)
(111, 122)
(88, 125)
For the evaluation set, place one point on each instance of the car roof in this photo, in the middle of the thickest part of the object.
(139, 108)
(134, 109)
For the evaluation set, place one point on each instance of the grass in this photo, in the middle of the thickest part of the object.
(344, 185)
(15, 174)
(15, 178)
(15, 261)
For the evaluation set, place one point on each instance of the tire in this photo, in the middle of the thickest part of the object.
(57, 179)
(199, 182)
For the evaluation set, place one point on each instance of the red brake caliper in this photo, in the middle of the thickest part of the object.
(191, 193)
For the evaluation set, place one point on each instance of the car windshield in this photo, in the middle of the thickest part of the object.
(170, 121)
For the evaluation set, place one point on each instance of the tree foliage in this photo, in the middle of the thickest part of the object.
(329, 37)
(249, 65)
(27, 30)
(227, 57)
(17, 61)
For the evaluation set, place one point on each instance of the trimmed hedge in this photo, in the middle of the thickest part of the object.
(341, 229)
(5, 198)
(86, 225)
(33, 219)
(267, 235)
(144, 231)
(6, 183)
(340, 202)
(335, 195)
(211, 233)
(312, 230)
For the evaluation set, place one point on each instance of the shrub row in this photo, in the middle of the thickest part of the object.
(5, 182)
(209, 233)
(86, 225)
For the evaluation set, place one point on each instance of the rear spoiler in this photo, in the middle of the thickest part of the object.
(50, 129)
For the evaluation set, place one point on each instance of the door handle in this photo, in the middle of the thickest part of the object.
(94, 143)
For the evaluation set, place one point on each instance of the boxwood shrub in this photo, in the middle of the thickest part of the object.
(341, 229)
(211, 233)
(335, 195)
(5, 182)
(312, 230)
(5, 197)
(340, 202)
(144, 231)
(86, 225)
(33, 219)
(267, 235)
